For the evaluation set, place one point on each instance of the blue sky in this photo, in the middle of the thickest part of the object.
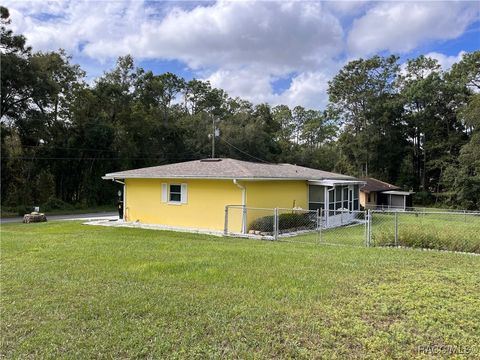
(263, 51)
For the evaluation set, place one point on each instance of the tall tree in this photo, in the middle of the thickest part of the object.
(361, 94)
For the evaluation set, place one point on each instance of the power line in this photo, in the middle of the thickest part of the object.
(49, 147)
(243, 152)
(84, 158)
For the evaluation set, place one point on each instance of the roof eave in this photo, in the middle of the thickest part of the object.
(125, 176)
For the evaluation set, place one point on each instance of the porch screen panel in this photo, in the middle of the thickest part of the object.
(345, 197)
(316, 197)
(338, 197)
(356, 204)
(331, 201)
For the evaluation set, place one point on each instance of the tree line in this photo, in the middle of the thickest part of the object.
(411, 124)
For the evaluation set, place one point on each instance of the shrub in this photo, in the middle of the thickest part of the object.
(263, 224)
(287, 221)
(296, 220)
(423, 198)
(54, 203)
(24, 209)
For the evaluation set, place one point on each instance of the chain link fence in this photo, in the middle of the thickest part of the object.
(448, 230)
(451, 230)
(343, 227)
(419, 209)
(270, 223)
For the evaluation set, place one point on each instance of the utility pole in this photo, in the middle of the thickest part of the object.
(213, 137)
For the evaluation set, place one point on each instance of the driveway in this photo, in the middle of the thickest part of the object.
(101, 215)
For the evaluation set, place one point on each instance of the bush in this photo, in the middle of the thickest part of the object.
(423, 198)
(288, 221)
(296, 220)
(24, 209)
(54, 203)
(263, 224)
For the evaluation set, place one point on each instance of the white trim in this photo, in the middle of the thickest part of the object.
(124, 202)
(164, 193)
(397, 192)
(183, 193)
(333, 182)
(205, 177)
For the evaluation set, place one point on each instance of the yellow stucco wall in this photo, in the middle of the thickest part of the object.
(280, 194)
(274, 194)
(364, 197)
(205, 208)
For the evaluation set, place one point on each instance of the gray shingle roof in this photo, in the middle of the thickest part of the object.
(372, 184)
(227, 169)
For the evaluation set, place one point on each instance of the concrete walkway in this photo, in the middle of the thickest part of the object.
(121, 223)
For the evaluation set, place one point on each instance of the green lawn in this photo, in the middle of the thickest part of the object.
(75, 291)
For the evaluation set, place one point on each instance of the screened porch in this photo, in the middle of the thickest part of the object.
(337, 201)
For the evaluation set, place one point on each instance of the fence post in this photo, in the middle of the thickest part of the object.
(369, 236)
(365, 228)
(396, 228)
(275, 224)
(319, 224)
(225, 225)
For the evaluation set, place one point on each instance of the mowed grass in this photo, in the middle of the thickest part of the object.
(75, 291)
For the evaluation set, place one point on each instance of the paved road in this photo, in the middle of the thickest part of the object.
(67, 217)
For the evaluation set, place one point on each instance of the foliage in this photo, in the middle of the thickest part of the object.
(286, 221)
(263, 224)
(416, 127)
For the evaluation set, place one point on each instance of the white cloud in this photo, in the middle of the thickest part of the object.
(402, 26)
(248, 83)
(308, 89)
(70, 24)
(281, 35)
(446, 61)
(240, 46)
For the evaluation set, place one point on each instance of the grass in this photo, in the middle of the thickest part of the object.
(76, 291)
(455, 232)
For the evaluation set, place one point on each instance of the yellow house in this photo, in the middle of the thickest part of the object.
(194, 194)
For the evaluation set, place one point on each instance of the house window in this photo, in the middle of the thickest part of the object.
(175, 193)
(369, 198)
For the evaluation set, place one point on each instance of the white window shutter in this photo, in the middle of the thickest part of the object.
(164, 193)
(184, 194)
